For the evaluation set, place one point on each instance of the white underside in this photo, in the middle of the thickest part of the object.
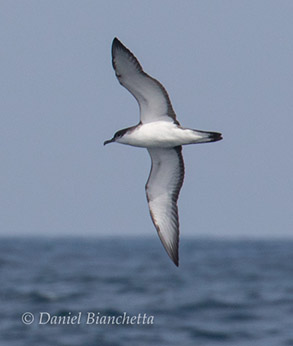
(162, 134)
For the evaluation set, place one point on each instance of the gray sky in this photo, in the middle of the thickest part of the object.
(227, 66)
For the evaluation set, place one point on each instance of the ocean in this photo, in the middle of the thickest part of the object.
(127, 292)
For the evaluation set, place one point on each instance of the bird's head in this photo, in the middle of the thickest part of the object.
(118, 135)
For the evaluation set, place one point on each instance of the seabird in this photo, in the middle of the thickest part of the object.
(161, 134)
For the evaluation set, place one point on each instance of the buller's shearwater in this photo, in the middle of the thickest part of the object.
(161, 134)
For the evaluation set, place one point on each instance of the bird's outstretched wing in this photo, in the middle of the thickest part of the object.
(162, 190)
(152, 97)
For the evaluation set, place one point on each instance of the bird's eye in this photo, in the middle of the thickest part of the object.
(118, 134)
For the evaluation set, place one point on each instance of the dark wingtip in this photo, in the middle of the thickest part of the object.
(174, 257)
(116, 43)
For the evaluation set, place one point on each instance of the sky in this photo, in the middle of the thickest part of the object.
(227, 66)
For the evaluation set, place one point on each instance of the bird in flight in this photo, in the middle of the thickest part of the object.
(161, 134)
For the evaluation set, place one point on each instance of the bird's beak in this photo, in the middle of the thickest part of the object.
(109, 141)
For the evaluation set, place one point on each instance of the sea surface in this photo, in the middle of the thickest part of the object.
(126, 292)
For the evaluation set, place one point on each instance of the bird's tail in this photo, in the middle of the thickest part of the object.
(206, 136)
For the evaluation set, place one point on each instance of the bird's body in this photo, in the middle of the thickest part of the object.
(163, 136)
